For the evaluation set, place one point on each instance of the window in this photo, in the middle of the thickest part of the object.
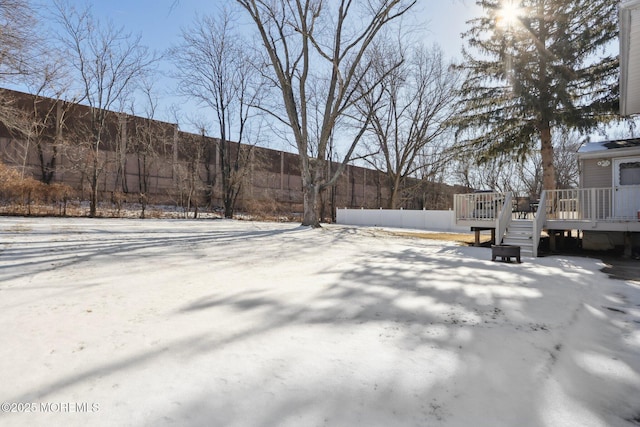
(630, 173)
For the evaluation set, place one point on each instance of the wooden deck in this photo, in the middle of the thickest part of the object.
(601, 209)
(591, 209)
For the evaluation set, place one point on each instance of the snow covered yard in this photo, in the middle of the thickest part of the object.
(225, 323)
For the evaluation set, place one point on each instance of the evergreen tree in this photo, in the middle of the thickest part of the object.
(536, 65)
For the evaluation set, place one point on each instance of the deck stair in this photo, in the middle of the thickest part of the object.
(520, 233)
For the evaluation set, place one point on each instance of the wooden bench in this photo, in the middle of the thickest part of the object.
(505, 252)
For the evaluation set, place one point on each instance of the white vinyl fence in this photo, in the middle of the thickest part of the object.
(422, 220)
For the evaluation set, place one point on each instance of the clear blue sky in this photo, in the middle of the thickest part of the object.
(159, 23)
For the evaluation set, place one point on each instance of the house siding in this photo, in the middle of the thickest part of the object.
(595, 176)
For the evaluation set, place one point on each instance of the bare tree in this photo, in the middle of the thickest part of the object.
(522, 176)
(530, 174)
(19, 46)
(498, 174)
(567, 172)
(18, 40)
(142, 140)
(316, 52)
(214, 67)
(25, 59)
(428, 188)
(107, 62)
(188, 181)
(566, 161)
(45, 119)
(409, 116)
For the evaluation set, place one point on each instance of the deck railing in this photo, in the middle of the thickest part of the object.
(593, 204)
(604, 205)
(504, 218)
(479, 206)
(538, 222)
(583, 204)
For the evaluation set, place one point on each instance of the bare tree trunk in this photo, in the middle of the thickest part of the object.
(94, 187)
(393, 198)
(311, 198)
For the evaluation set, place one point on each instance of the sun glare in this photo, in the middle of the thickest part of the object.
(508, 14)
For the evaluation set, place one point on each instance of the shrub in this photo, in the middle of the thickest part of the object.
(10, 183)
(20, 194)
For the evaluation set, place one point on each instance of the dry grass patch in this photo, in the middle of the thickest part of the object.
(468, 239)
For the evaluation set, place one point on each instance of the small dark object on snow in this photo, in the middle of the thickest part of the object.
(617, 310)
(505, 252)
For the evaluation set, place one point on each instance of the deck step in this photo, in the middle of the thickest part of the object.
(520, 233)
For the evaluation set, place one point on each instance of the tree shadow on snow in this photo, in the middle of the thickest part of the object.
(508, 324)
(509, 328)
(56, 250)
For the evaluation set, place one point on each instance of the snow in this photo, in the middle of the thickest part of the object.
(237, 323)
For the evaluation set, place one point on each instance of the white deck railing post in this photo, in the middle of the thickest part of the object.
(504, 218)
(538, 222)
